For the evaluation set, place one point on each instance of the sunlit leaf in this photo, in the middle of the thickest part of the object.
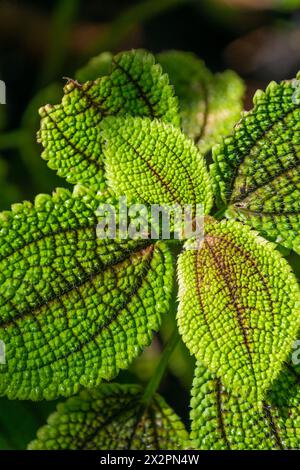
(74, 308)
(256, 169)
(221, 420)
(239, 306)
(155, 163)
(70, 132)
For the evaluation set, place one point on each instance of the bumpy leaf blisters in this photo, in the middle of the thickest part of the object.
(222, 421)
(239, 306)
(256, 170)
(74, 308)
(155, 163)
(70, 131)
(112, 417)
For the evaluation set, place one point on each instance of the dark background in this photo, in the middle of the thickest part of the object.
(43, 41)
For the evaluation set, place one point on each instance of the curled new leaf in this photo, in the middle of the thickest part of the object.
(239, 306)
(256, 170)
(209, 104)
(221, 420)
(74, 308)
(155, 163)
(70, 131)
(112, 417)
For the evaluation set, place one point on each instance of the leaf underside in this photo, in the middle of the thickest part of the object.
(155, 163)
(209, 104)
(256, 169)
(239, 307)
(70, 131)
(112, 417)
(222, 421)
(74, 308)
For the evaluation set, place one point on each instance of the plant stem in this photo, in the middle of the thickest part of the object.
(161, 368)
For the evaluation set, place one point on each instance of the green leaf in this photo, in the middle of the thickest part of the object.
(155, 163)
(210, 104)
(239, 306)
(74, 308)
(70, 131)
(256, 170)
(112, 417)
(222, 421)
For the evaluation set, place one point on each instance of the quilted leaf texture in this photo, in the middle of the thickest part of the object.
(221, 420)
(239, 307)
(112, 417)
(256, 169)
(70, 131)
(74, 308)
(210, 104)
(155, 163)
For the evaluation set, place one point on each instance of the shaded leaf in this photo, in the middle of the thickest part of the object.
(256, 169)
(70, 132)
(210, 104)
(155, 163)
(221, 420)
(74, 308)
(239, 306)
(114, 418)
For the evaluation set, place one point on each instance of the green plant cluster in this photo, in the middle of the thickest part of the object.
(76, 309)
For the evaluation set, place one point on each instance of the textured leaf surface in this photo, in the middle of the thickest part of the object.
(155, 163)
(210, 104)
(256, 170)
(74, 308)
(70, 131)
(239, 307)
(114, 418)
(221, 420)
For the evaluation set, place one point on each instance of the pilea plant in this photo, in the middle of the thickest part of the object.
(75, 308)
